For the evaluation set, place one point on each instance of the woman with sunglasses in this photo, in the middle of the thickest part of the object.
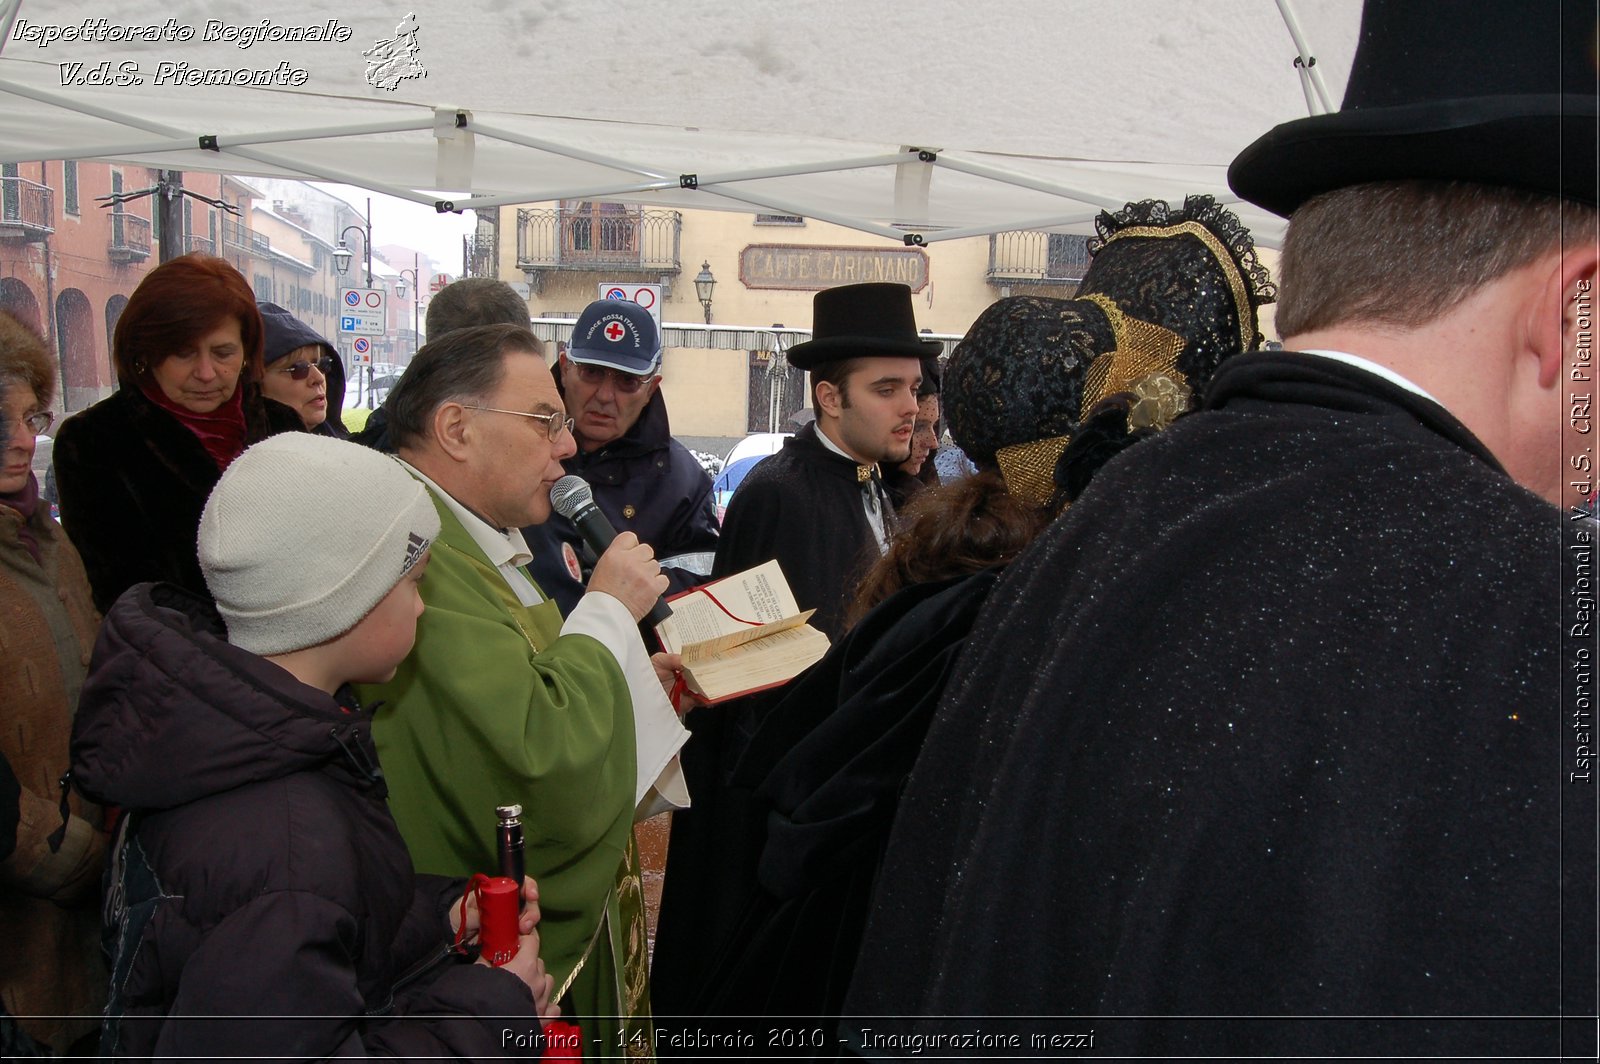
(302, 371)
(51, 973)
(134, 470)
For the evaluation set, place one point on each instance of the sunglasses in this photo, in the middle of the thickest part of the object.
(626, 383)
(299, 371)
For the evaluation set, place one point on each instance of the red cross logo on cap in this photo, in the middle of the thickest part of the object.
(614, 331)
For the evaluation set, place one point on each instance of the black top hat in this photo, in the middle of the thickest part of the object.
(862, 320)
(1496, 92)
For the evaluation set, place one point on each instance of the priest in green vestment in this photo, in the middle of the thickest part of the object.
(504, 701)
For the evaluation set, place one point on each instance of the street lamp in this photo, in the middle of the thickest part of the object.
(342, 254)
(703, 284)
(416, 298)
(341, 262)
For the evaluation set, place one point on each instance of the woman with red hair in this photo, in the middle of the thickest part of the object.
(134, 470)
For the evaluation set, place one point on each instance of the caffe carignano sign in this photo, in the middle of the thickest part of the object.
(809, 267)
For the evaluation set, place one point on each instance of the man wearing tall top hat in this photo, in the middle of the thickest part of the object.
(1280, 741)
(820, 508)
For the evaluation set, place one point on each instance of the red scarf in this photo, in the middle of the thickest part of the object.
(221, 432)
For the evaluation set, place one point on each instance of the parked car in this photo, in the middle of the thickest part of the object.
(740, 460)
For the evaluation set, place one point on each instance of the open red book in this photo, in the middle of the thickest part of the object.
(741, 634)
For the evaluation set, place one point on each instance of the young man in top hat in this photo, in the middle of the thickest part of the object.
(819, 507)
(1285, 726)
(644, 481)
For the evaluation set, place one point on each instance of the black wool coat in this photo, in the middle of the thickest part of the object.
(802, 506)
(826, 768)
(1270, 724)
(260, 877)
(133, 483)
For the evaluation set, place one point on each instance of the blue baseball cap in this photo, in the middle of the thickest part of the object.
(618, 334)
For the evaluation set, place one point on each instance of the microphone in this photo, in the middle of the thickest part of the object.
(574, 499)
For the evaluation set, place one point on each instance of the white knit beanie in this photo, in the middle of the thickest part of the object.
(305, 534)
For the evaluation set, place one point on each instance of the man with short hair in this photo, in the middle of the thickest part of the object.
(644, 481)
(458, 305)
(474, 301)
(1267, 746)
(502, 700)
(818, 506)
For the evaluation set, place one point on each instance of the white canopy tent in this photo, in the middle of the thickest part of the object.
(920, 121)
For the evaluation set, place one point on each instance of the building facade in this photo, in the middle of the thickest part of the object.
(71, 254)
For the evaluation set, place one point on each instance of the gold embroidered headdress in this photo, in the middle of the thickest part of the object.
(1168, 295)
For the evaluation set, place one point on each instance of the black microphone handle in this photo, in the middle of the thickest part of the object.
(598, 533)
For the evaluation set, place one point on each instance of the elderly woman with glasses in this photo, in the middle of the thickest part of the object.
(134, 470)
(302, 371)
(50, 971)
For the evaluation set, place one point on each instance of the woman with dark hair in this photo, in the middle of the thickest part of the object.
(51, 974)
(134, 470)
(301, 370)
(1039, 393)
(917, 472)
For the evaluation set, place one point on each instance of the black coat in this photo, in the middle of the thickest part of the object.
(1269, 724)
(826, 768)
(133, 483)
(262, 875)
(802, 506)
(647, 483)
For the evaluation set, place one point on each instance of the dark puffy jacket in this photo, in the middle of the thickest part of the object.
(647, 483)
(259, 874)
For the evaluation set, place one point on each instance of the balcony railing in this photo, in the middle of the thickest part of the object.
(130, 238)
(26, 210)
(478, 252)
(624, 238)
(242, 236)
(1036, 257)
(202, 244)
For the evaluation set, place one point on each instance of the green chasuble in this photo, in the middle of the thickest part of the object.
(494, 706)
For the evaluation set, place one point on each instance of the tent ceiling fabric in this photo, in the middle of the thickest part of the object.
(1093, 102)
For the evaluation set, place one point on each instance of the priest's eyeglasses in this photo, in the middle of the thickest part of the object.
(553, 423)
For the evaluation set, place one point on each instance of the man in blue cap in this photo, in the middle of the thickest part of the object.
(644, 481)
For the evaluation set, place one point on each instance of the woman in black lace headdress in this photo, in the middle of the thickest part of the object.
(1039, 394)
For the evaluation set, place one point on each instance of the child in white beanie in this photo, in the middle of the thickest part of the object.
(259, 875)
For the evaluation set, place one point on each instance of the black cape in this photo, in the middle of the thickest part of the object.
(827, 768)
(1270, 724)
(802, 506)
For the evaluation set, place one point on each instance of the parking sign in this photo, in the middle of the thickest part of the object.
(361, 311)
